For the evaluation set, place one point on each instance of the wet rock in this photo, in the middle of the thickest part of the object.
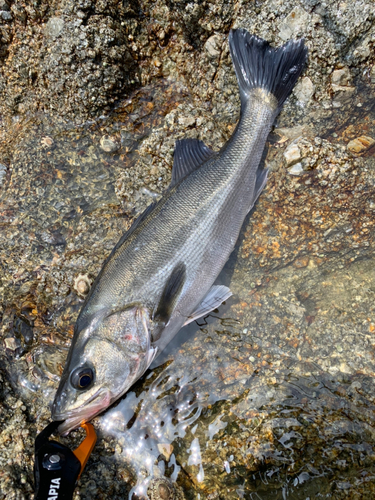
(186, 121)
(7, 16)
(165, 449)
(297, 340)
(162, 489)
(3, 172)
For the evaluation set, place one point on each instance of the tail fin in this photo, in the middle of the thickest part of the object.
(259, 65)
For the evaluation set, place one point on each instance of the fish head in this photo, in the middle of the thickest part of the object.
(104, 361)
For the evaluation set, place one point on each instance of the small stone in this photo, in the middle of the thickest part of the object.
(341, 77)
(165, 449)
(186, 121)
(305, 90)
(360, 144)
(47, 142)
(3, 173)
(212, 46)
(292, 154)
(54, 26)
(7, 16)
(340, 83)
(10, 343)
(82, 284)
(108, 144)
(301, 262)
(297, 169)
(162, 488)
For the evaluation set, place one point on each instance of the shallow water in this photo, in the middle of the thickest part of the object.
(269, 397)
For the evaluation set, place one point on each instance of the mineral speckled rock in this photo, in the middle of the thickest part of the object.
(279, 383)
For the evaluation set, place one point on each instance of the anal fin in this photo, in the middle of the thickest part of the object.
(261, 181)
(215, 297)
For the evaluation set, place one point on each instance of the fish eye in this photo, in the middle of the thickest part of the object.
(82, 377)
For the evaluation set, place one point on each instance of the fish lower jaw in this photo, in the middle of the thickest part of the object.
(73, 419)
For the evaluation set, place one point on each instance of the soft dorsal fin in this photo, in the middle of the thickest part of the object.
(170, 294)
(189, 155)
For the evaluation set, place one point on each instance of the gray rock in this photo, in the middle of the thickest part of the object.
(3, 172)
(7, 16)
(297, 169)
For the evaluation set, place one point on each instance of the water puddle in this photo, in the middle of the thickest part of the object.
(269, 397)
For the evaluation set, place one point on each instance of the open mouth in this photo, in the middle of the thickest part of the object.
(74, 418)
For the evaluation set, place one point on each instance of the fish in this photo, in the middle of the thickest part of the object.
(161, 274)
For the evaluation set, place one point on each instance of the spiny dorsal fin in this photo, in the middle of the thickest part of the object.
(170, 294)
(189, 155)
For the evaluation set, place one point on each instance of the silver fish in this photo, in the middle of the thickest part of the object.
(160, 275)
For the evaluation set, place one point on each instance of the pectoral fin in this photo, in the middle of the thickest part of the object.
(170, 295)
(215, 297)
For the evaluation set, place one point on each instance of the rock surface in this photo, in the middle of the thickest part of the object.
(273, 394)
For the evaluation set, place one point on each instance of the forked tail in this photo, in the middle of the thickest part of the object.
(259, 65)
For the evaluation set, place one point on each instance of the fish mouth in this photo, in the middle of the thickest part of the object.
(74, 418)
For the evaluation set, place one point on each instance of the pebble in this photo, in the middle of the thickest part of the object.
(341, 77)
(162, 488)
(297, 169)
(292, 154)
(7, 16)
(295, 22)
(108, 144)
(165, 449)
(186, 121)
(82, 284)
(305, 90)
(360, 144)
(212, 46)
(3, 172)
(54, 27)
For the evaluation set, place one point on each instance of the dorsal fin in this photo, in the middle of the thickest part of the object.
(189, 155)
